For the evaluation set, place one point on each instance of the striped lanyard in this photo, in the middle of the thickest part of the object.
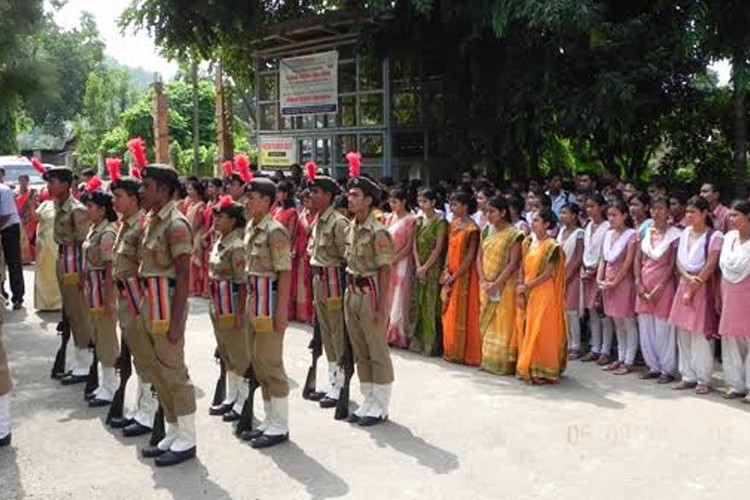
(224, 293)
(71, 259)
(263, 295)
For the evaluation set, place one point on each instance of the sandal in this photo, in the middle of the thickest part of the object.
(746, 400)
(574, 354)
(649, 375)
(612, 366)
(623, 369)
(665, 378)
(603, 360)
(591, 356)
(732, 394)
(702, 389)
(682, 386)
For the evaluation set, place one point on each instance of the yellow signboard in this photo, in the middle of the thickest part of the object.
(277, 152)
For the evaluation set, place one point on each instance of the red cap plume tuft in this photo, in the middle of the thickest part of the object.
(137, 148)
(113, 167)
(227, 168)
(135, 172)
(38, 165)
(93, 184)
(243, 168)
(355, 163)
(225, 202)
(311, 170)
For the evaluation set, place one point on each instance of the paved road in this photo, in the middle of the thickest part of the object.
(455, 432)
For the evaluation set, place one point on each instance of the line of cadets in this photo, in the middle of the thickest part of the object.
(136, 272)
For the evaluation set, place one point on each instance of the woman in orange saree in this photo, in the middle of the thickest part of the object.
(461, 340)
(542, 336)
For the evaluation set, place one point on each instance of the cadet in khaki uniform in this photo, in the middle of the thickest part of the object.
(127, 260)
(269, 267)
(326, 249)
(226, 270)
(166, 246)
(70, 230)
(98, 254)
(5, 382)
(369, 257)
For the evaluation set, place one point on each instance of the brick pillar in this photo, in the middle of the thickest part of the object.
(224, 118)
(161, 125)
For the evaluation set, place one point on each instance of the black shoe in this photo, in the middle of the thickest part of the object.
(152, 451)
(327, 402)
(135, 429)
(70, 379)
(251, 434)
(266, 441)
(231, 416)
(649, 375)
(17, 306)
(370, 421)
(317, 396)
(88, 396)
(120, 422)
(352, 418)
(98, 403)
(221, 409)
(174, 457)
(57, 375)
(5, 441)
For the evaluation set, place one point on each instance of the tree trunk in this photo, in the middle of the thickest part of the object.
(196, 117)
(739, 126)
(8, 144)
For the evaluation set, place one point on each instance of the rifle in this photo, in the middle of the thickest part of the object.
(220, 391)
(157, 431)
(126, 370)
(316, 350)
(58, 367)
(92, 383)
(245, 423)
(346, 363)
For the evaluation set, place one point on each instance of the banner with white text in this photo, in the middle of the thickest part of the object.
(309, 84)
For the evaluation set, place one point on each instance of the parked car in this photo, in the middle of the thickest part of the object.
(16, 166)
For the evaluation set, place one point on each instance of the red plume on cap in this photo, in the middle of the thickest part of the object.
(355, 163)
(93, 184)
(38, 165)
(138, 149)
(225, 202)
(243, 168)
(113, 167)
(311, 170)
(227, 168)
(135, 172)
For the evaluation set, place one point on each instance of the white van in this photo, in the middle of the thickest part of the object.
(16, 166)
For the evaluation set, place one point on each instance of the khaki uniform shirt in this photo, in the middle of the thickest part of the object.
(327, 244)
(167, 235)
(226, 262)
(128, 246)
(268, 249)
(71, 222)
(369, 247)
(99, 247)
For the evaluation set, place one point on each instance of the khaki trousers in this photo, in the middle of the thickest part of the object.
(5, 383)
(369, 343)
(76, 310)
(232, 343)
(330, 316)
(266, 350)
(104, 332)
(173, 385)
(137, 341)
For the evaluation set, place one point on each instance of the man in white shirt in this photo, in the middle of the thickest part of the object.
(10, 237)
(558, 195)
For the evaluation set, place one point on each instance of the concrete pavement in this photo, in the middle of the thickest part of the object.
(455, 432)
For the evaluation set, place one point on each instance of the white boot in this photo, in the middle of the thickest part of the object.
(109, 384)
(267, 418)
(147, 405)
(82, 362)
(279, 424)
(333, 379)
(132, 413)
(243, 390)
(4, 415)
(366, 389)
(381, 398)
(233, 384)
(169, 437)
(186, 434)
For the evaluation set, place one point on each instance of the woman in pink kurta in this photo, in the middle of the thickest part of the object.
(570, 238)
(285, 213)
(302, 295)
(194, 207)
(693, 311)
(600, 326)
(401, 225)
(615, 279)
(735, 296)
(655, 288)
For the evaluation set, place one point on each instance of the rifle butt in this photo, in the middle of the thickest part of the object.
(309, 386)
(158, 432)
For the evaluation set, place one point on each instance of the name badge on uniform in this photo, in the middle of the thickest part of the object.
(263, 303)
(96, 293)
(159, 302)
(223, 295)
(71, 263)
